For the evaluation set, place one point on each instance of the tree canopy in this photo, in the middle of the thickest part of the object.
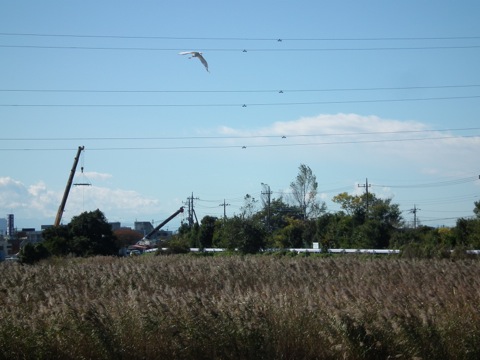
(87, 234)
(304, 192)
(364, 221)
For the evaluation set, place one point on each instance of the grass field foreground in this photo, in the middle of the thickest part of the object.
(232, 307)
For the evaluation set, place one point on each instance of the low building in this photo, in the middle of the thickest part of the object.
(5, 248)
(28, 235)
(115, 225)
(143, 227)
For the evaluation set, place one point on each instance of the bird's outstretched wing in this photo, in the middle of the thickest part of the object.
(203, 61)
(197, 55)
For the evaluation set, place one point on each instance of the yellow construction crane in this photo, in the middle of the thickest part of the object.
(61, 208)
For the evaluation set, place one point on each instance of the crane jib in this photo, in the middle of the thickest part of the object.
(159, 226)
(61, 208)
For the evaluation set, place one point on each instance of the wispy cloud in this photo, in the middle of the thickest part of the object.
(325, 124)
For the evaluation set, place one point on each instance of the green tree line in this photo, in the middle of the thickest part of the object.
(364, 222)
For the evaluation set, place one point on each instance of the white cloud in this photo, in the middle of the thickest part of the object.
(343, 124)
(13, 194)
(93, 175)
(111, 201)
(38, 202)
(43, 200)
(336, 124)
(348, 136)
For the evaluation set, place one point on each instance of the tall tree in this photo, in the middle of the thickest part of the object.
(244, 235)
(476, 209)
(92, 234)
(372, 229)
(249, 206)
(349, 203)
(291, 235)
(57, 240)
(304, 192)
(275, 214)
(32, 253)
(87, 234)
(207, 229)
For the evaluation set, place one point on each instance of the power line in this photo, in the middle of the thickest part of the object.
(443, 200)
(229, 137)
(280, 91)
(243, 50)
(443, 219)
(447, 211)
(441, 183)
(277, 39)
(231, 199)
(245, 147)
(244, 105)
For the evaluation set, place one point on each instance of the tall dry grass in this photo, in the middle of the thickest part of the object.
(182, 307)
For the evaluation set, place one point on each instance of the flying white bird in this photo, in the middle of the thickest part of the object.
(197, 55)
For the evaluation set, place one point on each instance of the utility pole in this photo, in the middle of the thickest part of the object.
(191, 210)
(224, 209)
(414, 212)
(268, 193)
(366, 186)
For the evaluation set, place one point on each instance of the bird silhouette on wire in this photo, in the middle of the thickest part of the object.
(197, 55)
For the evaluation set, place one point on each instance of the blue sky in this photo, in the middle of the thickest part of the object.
(384, 90)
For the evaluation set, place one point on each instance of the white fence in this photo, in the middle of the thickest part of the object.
(318, 251)
(332, 251)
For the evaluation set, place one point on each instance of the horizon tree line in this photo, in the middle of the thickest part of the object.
(364, 221)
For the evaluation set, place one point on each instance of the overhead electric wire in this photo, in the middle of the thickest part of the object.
(445, 211)
(243, 50)
(336, 190)
(244, 105)
(440, 183)
(442, 200)
(229, 137)
(443, 219)
(231, 199)
(245, 146)
(455, 200)
(278, 39)
(281, 91)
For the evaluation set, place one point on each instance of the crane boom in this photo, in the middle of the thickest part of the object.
(61, 208)
(159, 226)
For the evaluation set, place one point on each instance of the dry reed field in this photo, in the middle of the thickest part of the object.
(253, 307)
